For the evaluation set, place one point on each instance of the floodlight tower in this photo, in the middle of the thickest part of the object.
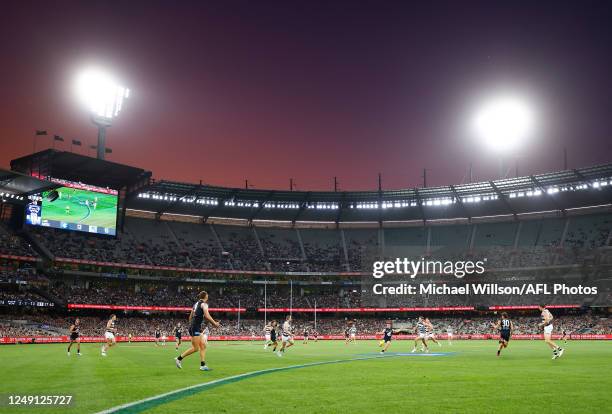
(503, 124)
(104, 97)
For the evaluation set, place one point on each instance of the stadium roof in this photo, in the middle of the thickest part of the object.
(543, 192)
(80, 168)
(14, 183)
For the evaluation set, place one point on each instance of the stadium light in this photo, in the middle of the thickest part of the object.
(103, 96)
(504, 123)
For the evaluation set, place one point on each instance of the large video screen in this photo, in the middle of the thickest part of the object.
(77, 207)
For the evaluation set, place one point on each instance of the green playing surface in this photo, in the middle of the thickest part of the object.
(466, 377)
(77, 206)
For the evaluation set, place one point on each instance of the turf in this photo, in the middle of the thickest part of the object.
(105, 214)
(470, 378)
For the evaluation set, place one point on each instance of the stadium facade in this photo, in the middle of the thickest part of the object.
(264, 252)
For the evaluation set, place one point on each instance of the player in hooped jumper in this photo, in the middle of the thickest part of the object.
(430, 332)
(286, 336)
(198, 314)
(421, 331)
(267, 335)
(505, 328)
(305, 342)
(449, 334)
(75, 336)
(178, 334)
(547, 324)
(109, 334)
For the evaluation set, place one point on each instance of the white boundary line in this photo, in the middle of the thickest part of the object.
(233, 377)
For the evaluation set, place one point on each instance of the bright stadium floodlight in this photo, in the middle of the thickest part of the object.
(103, 96)
(504, 123)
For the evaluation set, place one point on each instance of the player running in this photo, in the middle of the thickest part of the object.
(199, 313)
(449, 334)
(286, 336)
(273, 339)
(178, 336)
(315, 335)
(430, 332)
(387, 334)
(157, 336)
(109, 334)
(305, 342)
(564, 335)
(353, 333)
(505, 328)
(547, 324)
(75, 336)
(267, 335)
(421, 330)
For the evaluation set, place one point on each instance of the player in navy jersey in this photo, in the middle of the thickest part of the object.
(178, 334)
(199, 314)
(75, 336)
(387, 334)
(505, 327)
(564, 335)
(273, 335)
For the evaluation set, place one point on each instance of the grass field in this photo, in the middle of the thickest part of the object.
(81, 208)
(469, 378)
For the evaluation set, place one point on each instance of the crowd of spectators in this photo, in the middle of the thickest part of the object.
(241, 248)
(23, 274)
(15, 246)
(145, 326)
(163, 294)
(26, 296)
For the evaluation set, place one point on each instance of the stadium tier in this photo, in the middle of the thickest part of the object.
(264, 253)
(161, 243)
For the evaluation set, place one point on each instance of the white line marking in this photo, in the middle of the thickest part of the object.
(233, 377)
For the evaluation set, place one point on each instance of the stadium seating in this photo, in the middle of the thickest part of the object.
(540, 242)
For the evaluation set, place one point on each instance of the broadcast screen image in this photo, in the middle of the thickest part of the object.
(75, 208)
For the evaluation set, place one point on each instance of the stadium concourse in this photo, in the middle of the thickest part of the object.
(261, 254)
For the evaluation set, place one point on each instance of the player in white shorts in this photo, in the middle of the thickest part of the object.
(353, 333)
(449, 334)
(286, 336)
(205, 335)
(109, 334)
(267, 335)
(430, 332)
(547, 324)
(421, 335)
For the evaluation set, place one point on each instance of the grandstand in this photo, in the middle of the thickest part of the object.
(260, 249)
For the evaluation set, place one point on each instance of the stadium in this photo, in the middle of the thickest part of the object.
(130, 285)
(263, 254)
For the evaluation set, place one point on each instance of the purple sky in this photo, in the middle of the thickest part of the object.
(231, 90)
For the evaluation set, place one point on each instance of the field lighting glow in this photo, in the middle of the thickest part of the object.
(504, 123)
(102, 95)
